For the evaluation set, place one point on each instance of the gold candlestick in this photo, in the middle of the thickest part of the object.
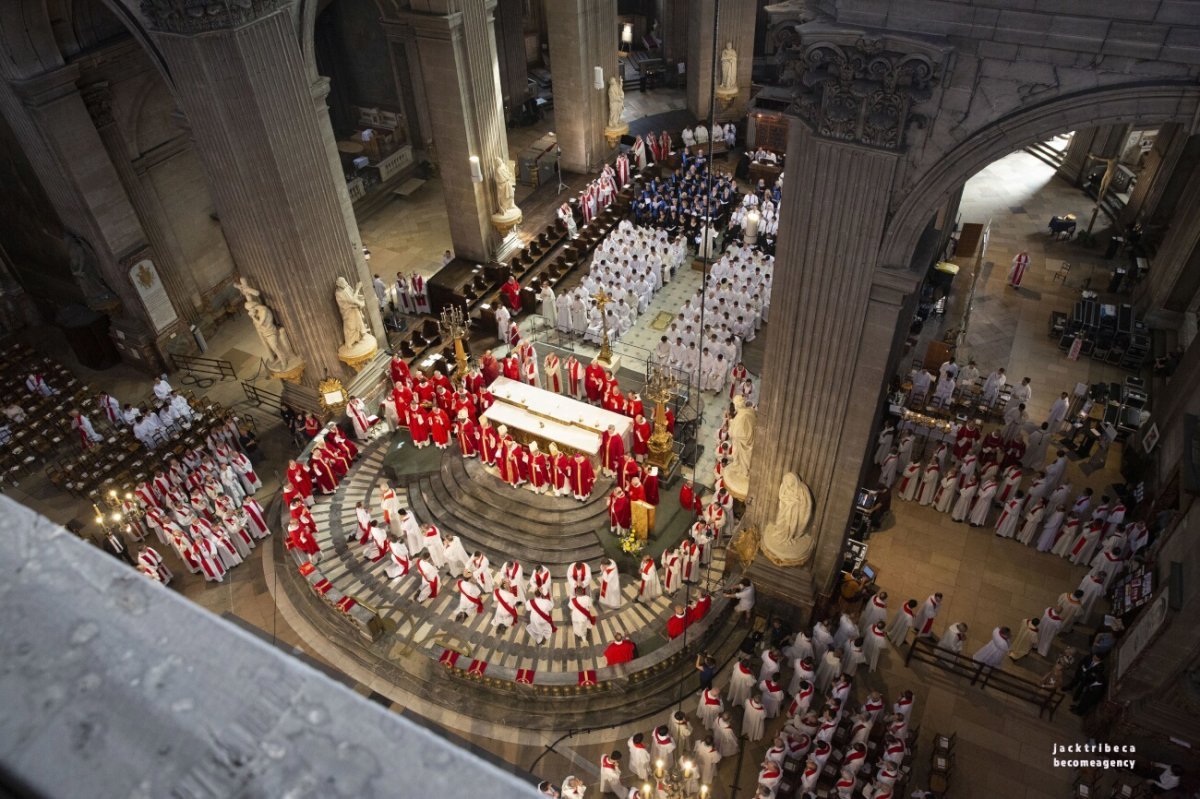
(602, 299)
(660, 386)
(453, 324)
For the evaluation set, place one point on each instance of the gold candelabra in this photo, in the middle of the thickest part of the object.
(602, 299)
(660, 387)
(453, 324)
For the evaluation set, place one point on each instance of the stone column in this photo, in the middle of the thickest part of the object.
(829, 347)
(510, 51)
(838, 317)
(1152, 199)
(56, 130)
(735, 24)
(406, 71)
(168, 258)
(456, 48)
(1172, 281)
(673, 28)
(583, 36)
(262, 133)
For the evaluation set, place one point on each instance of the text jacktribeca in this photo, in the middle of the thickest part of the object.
(1104, 749)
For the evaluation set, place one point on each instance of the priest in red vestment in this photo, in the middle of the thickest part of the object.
(621, 650)
(641, 436)
(612, 450)
(595, 379)
(677, 623)
(618, 511)
(512, 293)
(467, 434)
(650, 483)
(629, 470)
(582, 477)
(539, 469)
(398, 369)
(489, 368)
(699, 609)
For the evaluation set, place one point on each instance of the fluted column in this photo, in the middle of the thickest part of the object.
(674, 19)
(456, 48)
(262, 132)
(735, 24)
(583, 36)
(1172, 281)
(164, 250)
(1156, 173)
(833, 324)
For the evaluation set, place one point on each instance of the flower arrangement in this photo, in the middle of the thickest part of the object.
(631, 544)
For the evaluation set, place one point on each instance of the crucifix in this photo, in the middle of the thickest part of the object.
(602, 299)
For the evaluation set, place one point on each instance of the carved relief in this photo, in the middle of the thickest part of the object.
(859, 93)
(198, 16)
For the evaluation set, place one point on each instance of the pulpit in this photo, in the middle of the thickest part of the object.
(642, 516)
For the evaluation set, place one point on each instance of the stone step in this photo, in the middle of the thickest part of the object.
(492, 540)
(494, 515)
(469, 477)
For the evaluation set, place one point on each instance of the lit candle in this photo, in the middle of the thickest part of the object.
(658, 768)
(646, 791)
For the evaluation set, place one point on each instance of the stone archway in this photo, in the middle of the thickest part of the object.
(1137, 103)
(847, 252)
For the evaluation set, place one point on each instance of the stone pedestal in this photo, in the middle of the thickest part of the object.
(833, 344)
(735, 23)
(583, 35)
(262, 132)
(456, 51)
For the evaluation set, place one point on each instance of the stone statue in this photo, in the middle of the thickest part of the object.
(787, 540)
(728, 69)
(85, 268)
(351, 303)
(506, 187)
(280, 356)
(741, 435)
(616, 102)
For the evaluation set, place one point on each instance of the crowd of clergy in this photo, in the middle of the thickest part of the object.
(792, 703)
(630, 266)
(201, 506)
(1000, 481)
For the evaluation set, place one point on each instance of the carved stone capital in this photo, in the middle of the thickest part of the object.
(853, 88)
(199, 16)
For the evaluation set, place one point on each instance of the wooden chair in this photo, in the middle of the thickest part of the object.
(1061, 275)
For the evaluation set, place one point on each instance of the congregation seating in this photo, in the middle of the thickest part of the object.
(46, 428)
(122, 461)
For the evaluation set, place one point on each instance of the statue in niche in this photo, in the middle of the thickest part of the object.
(728, 68)
(280, 356)
(506, 187)
(741, 435)
(616, 102)
(351, 303)
(787, 540)
(85, 268)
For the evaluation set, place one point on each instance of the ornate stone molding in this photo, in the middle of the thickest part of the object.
(199, 16)
(860, 91)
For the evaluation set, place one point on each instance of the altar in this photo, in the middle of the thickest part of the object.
(532, 413)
